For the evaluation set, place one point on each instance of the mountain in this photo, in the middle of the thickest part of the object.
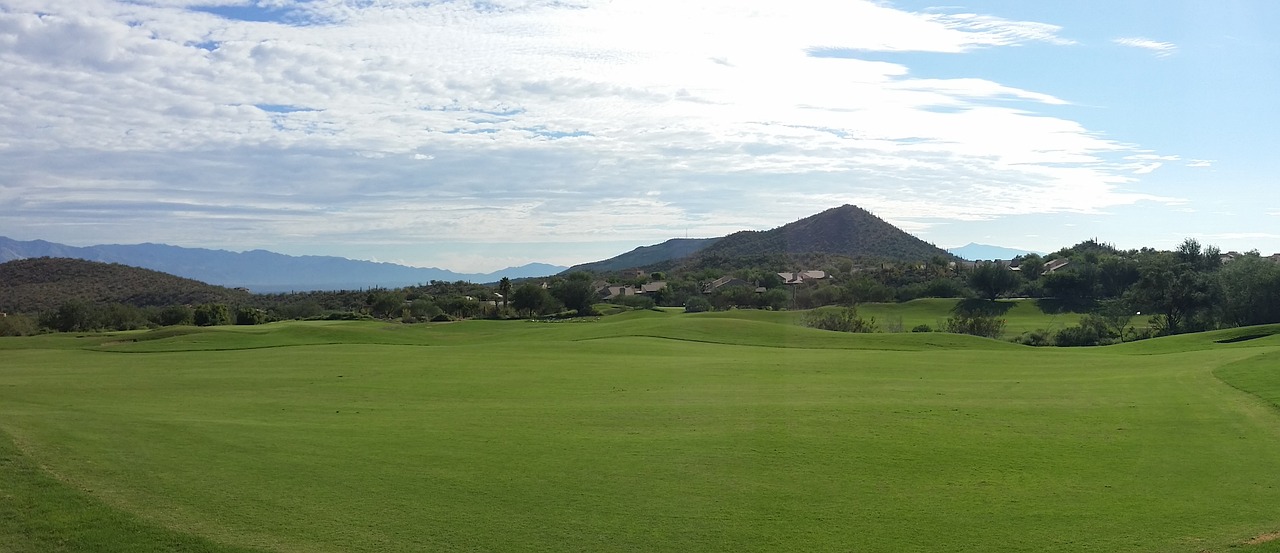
(644, 256)
(260, 270)
(984, 252)
(40, 284)
(848, 231)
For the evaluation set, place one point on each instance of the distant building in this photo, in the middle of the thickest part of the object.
(1051, 266)
(723, 282)
(802, 277)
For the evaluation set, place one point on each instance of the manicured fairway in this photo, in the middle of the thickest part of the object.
(637, 432)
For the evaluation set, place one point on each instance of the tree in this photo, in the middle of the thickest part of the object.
(1250, 291)
(504, 288)
(530, 299)
(1177, 287)
(71, 316)
(173, 315)
(211, 314)
(990, 280)
(250, 316)
(575, 293)
(1031, 266)
(385, 304)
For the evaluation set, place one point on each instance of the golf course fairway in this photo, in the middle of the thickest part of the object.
(641, 432)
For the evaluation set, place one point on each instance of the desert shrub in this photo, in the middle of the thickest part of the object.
(18, 325)
(1038, 337)
(844, 319)
(635, 302)
(697, 304)
(974, 324)
(1093, 330)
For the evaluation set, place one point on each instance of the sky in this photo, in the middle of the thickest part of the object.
(478, 135)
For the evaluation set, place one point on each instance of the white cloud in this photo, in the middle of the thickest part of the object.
(1160, 49)
(1146, 168)
(406, 121)
(1200, 163)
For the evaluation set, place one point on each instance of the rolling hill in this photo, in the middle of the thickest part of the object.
(644, 256)
(33, 285)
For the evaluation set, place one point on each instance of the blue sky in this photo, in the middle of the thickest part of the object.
(479, 135)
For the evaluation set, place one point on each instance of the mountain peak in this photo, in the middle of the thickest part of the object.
(847, 230)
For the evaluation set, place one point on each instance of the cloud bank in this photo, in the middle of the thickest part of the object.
(242, 125)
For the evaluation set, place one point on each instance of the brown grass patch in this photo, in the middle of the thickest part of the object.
(1264, 538)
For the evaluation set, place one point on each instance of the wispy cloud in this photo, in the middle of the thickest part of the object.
(1200, 163)
(1160, 49)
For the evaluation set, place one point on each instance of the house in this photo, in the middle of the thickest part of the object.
(1228, 257)
(723, 282)
(631, 274)
(651, 287)
(1275, 257)
(802, 277)
(1051, 266)
(614, 291)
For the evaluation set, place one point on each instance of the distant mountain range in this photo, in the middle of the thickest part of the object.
(260, 270)
(846, 231)
(984, 252)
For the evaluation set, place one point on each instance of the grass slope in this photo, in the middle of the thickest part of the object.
(639, 432)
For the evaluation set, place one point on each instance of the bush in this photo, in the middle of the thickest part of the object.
(974, 324)
(921, 328)
(839, 320)
(697, 304)
(635, 302)
(1038, 337)
(18, 325)
(1093, 330)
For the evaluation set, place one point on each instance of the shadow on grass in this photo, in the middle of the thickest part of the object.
(975, 307)
(1057, 306)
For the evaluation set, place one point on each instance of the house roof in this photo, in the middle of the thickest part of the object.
(802, 276)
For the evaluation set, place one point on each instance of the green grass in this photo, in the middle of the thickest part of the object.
(644, 431)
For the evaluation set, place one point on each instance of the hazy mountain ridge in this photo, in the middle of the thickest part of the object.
(986, 252)
(260, 270)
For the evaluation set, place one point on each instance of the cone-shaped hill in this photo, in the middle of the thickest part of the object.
(847, 230)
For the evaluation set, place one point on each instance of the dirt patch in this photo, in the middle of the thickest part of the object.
(1270, 536)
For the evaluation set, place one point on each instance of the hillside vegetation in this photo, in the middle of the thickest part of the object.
(46, 283)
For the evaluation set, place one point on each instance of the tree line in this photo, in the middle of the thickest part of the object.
(1191, 288)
